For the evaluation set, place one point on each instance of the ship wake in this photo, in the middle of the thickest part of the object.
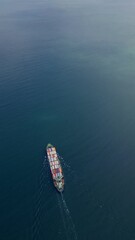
(68, 224)
(38, 201)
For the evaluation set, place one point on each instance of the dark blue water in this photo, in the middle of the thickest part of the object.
(67, 76)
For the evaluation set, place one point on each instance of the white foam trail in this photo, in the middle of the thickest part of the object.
(70, 220)
(63, 217)
(70, 227)
(65, 166)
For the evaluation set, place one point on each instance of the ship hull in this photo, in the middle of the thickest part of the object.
(55, 167)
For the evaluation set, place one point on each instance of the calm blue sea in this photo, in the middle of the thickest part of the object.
(67, 76)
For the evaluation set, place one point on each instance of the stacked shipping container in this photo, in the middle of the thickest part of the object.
(54, 163)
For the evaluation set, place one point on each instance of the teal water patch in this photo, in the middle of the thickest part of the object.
(67, 77)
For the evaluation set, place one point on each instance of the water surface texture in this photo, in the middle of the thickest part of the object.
(67, 76)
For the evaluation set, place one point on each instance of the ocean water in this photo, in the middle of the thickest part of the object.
(67, 76)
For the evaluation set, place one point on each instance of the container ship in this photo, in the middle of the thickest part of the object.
(55, 167)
